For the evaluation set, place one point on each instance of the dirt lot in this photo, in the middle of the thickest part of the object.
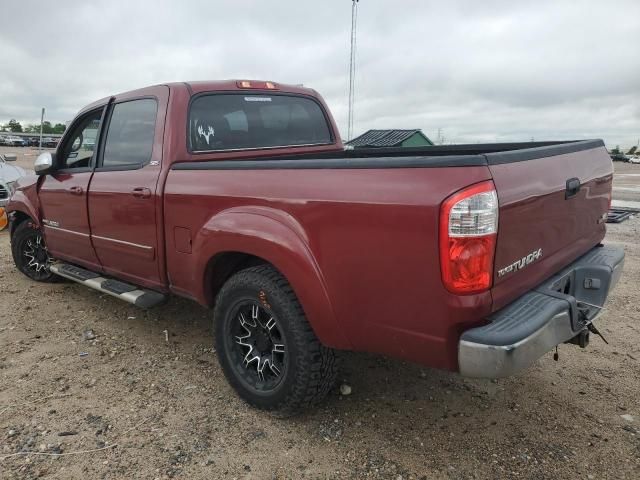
(167, 411)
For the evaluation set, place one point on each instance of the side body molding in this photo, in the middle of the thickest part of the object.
(278, 238)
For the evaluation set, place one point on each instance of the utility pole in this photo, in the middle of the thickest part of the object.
(352, 66)
(41, 123)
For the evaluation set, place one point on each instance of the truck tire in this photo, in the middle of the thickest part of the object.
(265, 345)
(30, 253)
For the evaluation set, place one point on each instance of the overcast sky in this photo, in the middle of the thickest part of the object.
(483, 71)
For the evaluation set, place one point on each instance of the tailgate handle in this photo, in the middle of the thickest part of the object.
(573, 187)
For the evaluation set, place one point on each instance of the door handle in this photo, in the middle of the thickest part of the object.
(141, 192)
(76, 190)
(573, 187)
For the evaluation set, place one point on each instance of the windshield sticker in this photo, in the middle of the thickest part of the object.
(210, 132)
(257, 99)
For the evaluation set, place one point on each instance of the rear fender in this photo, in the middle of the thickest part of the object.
(279, 239)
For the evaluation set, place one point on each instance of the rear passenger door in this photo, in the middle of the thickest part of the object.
(124, 204)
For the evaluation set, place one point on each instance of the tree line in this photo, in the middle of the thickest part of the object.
(47, 128)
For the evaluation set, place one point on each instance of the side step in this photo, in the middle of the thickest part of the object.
(124, 291)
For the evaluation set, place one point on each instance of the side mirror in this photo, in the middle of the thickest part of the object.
(44, 163)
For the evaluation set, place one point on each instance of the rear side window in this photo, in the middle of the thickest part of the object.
(240, 121)
(129, 139)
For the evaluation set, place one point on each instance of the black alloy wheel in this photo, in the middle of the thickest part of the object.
(266, 347)
(30, 253)
(258, 352)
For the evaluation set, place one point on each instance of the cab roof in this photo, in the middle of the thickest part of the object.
(214, 85)
(200, 86)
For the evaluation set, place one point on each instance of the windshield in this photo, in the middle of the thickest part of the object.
(241, 121)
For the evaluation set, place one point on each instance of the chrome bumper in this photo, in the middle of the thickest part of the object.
(543, 318)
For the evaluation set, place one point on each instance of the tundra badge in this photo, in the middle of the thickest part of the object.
(50, 223)
(520, 264)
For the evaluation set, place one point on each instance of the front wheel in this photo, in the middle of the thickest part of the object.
(30, 253)
(265, 345)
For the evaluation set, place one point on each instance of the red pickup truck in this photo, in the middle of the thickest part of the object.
(240, 196)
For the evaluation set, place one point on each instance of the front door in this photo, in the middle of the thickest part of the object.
(123, 200)
(63, 194)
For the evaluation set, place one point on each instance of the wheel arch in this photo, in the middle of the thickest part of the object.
(18, 217)
(222, 266)
(242, 237)
(24, 204)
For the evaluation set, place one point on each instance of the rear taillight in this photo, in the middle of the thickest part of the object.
(468, 229)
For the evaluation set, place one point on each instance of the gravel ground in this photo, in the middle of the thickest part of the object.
(81, 371)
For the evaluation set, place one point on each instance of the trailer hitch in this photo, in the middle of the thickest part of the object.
(592, 328)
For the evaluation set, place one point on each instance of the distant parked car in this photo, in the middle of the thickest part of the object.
(14, 141)
(619, 157)
(49, 142)
(33, 141)
(634, 159)
(9, 174)
(3, 140)
(89, 144)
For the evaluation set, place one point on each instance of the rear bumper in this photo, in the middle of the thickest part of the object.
(553, 313)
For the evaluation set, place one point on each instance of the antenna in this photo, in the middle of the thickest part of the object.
(352, 66)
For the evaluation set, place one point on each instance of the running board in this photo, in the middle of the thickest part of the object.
(124, 291)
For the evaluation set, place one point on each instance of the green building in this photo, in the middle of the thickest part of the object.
(391, 138)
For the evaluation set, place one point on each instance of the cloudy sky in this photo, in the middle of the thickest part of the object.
(482, 71)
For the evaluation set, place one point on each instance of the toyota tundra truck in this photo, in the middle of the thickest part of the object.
(240, 196)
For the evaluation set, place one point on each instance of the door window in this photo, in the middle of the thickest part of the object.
(129, 141)
(80, 145)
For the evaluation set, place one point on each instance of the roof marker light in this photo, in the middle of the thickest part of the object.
(256, 85)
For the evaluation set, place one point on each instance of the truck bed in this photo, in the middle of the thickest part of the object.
(369, 219)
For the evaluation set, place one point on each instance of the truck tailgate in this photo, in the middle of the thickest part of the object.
(553, 203)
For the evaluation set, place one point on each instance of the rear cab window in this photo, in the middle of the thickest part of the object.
(254, 121)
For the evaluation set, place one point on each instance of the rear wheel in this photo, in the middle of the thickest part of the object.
(30, 253)
(265, 345)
